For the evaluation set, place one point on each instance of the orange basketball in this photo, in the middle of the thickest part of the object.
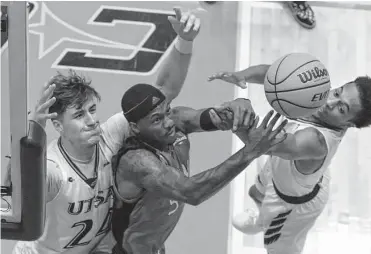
(297, 84)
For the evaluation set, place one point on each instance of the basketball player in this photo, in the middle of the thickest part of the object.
(152, 178)
(79, 191)
(292, 189)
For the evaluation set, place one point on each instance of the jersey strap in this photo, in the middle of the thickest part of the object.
(300, 199)
(89, 181)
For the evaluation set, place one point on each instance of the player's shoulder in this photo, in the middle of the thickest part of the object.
(116, 121)
(314, 138)
(53, 152)
(138, 160)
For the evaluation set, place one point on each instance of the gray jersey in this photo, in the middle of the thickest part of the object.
(143, 226)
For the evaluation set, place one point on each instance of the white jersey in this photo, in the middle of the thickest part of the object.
(284, 172)
(293, 201)
(80, 214)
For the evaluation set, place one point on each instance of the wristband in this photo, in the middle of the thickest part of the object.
(183, 46)
(205, 121)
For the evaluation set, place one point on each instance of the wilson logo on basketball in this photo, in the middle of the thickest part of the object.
(320, 96)
(314, 73)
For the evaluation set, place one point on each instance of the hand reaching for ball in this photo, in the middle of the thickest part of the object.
(230, 77)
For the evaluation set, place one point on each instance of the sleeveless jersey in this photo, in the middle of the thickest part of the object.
(80, 214)
(143, 225)
(285, 175)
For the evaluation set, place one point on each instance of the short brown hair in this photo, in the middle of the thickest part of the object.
(71, 90)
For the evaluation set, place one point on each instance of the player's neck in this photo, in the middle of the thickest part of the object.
(78, 153)
(320, 121)
(157, 145)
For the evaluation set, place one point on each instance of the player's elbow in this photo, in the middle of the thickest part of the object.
(194, 196)
(239, 221)
(189, 194)
(194, 199)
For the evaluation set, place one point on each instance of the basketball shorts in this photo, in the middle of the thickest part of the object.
(287, 220)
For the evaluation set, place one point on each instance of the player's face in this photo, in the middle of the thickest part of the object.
(157, 126)
(81, 125)
(342, 106)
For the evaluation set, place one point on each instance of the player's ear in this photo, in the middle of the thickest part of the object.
(57, 125)
(134, 128)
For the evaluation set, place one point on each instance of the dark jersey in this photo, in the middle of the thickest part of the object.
(143, 225)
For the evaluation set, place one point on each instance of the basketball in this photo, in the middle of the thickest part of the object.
(297, 84)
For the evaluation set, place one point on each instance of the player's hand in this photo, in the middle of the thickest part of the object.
(185, 24)
(260, 139)
(222, 119)
(40, 113)
(240, 112)
(230, 77)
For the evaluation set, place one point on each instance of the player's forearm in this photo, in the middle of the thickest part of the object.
(205, 184)
(254, 74)
(191, 120)
(287, 149)
(174, 69)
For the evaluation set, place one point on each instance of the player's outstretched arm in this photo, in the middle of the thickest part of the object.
(253, 74)
(174, 70)
(233, 115)
(143, 169)
(306, 144)
(170, 79)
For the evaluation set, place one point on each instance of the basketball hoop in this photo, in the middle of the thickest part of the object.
(23, 219)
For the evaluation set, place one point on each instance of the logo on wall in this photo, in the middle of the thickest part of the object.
(102, 38)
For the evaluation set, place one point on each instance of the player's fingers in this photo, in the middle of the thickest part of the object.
(215, 118)
(212, 77)
(236, 119)
(252, 119)
(47, 94)
(266, 119)
(190, 23)
(279, 140)
(254, 125)
(227, 118)
(279, 128)
(273, 122)
(172, 20)
(242, 84)
(197, 24)
(49, 82)
(51, 115)
(184, 18)
(44, 117)
(178, 12)
(43, 107)
(256, 122)
(45, 87)
(247, 119)
(219, 75)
